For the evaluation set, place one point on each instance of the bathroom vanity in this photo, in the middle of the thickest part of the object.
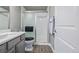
(12, 42)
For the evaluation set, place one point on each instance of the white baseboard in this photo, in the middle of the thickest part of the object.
(51, 48)
(45, 43)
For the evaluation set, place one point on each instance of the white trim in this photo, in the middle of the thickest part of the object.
(52, 48)
(42, 43)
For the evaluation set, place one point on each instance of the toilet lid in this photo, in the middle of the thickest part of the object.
(29, 38)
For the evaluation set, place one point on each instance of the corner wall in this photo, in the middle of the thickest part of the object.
(51, 11)
(15, 18)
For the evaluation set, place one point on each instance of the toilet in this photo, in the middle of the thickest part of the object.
(29, 44)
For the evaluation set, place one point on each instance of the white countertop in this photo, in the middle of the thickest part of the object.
(9, 36)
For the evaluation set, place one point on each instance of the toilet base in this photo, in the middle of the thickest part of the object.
(28, 49)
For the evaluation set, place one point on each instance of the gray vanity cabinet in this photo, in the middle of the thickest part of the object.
(20, 48)
(13, 42)
(3, 48)
(12, 50)
(16, 45)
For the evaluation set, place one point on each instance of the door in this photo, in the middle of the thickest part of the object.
(67, 29)
(41, 27)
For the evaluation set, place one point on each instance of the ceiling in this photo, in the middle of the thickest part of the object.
(29, 8)
(33, 8)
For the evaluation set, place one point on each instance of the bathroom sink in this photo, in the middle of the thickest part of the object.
(3, 36)
(10, 33)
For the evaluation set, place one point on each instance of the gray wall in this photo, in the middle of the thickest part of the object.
(4, 19)
(22, 16)
(51, 11)
(15, 18)
(28, 20)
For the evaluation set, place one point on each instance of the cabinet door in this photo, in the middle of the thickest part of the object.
(12, 50)
(13, 42)
(20, 47)
(3, 48)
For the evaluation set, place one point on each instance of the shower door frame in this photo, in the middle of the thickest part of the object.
(40, 11)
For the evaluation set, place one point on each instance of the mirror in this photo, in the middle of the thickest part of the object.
(4, 17)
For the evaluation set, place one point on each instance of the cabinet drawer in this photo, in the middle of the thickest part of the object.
(12, 50)
(23, 37)
(13, 42)
(3, 48)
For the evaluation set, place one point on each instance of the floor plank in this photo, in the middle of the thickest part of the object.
(42, 49)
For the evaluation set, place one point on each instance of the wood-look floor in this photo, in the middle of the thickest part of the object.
(42, 49)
